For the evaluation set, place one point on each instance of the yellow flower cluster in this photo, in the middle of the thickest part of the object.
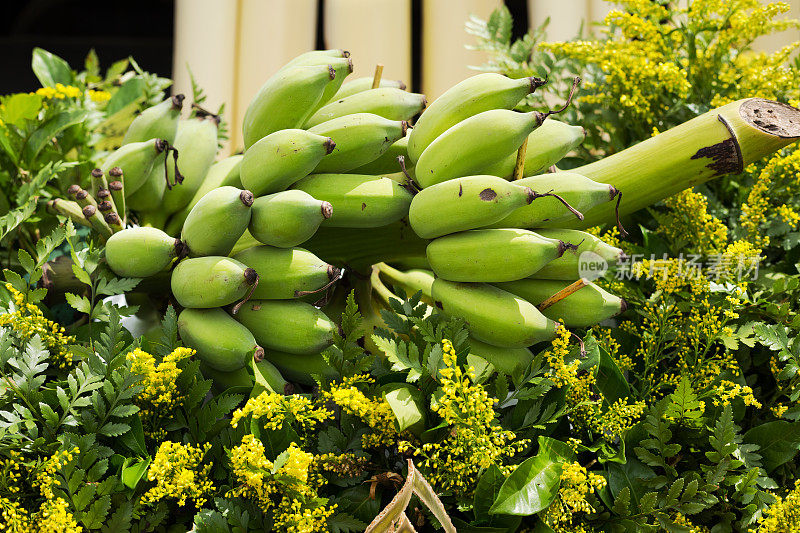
(53, 517)
(160, 395)
(277, 409)
(178, 474)
(11, 476)
(59, 92)
(299, 508)
(689, 225)
(46, 477)
(776, 186)
(99, 96)
(605, 339)
(375, 412)
(27, 320)
(726, 390)
(13, 517)
(344, 465)
(783, 515)
(474, 442)
(576, 484)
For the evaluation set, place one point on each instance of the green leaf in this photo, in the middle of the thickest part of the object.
(133, 470)
(486, 492)
(684, 403)
(557, 450)
(778, 442)
(134, 439)
(44, 135)
(79, 303)
(50, 69)
(406, 404)
(622, 503)
(610, 381)
(531, 487)
(345, 523)
(21, 107)
(11, 220)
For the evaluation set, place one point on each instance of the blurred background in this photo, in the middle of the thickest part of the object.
(233, 46)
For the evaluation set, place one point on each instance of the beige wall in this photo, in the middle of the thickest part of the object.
(233, 46)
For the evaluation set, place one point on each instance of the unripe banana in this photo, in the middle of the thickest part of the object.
(69, 209)
(314, 57)
(567, 267)
(243, 379)
(148, 197)
(197, 142)
(387, 162)
(493, 315)
(300, 368)
(288, 218)
(358, 201)
(473, 144)
(465, 203)
(217, 221)
(578, 191)
(286, 100)
(213, 281)
(157, 122)
(358, 85)
(220, 341)
(223, 172)
(359, 139)
(141, 252)
(410, 281)
(286, 273)
(135, 160)
(280, 159)
(389, 103)
(342, 67)
(492, 254)
(287, 325)
(509, 361)
(547, 145)
(97, 221)
(472, 96)
(585, 307)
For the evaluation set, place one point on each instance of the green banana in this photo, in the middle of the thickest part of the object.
(220, 341)
(223, 172)
(281, 158)
(287, 325)
(159, 121)
(492, 254)
(98, 223)
(597, 256)
(387, 162)
(417, 261)
(135, 160)
(357, 85)
(358, 201)
(211, 281)
(465, 203)
(359, 139)
(197, 141)
(585, 307)
(117, 190)
(286, 273)
(547, 145)
(474, 95)
(493, 315)
(473, 144)
(286, 100)
(69, 209)
(389, 103)
(300, 368)
(245, 379)
(509, 361)
(217, 221)
(410, 281)
(342, 67)
(578, 191)
(141, 252)
(148, 197)
(314, 56)
(288, 218)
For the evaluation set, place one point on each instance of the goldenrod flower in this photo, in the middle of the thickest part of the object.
(179, 474)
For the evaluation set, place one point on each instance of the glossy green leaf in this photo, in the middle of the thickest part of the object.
(133, 470)
(779, 442)
(50, 69)
(531, 487)
(486, 492)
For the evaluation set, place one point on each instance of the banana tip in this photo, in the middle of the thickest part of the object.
(612, 192)
(623, 305)
(97, 173)
(349, 63)
(327, 210)
(246, 197)
(329, 146)
(115, 172)
(177, 101)
(250, 276)
(73, 189)
(258, 355)
(404, 127)
(401, 85)
(333, 272)
(89, 211)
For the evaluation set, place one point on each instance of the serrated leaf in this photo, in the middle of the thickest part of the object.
(79, 303)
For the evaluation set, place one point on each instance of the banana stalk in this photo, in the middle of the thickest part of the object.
(722, 141)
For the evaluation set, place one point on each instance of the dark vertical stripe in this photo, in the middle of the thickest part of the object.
(415, 83)
(519, 12)
(320, 42)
